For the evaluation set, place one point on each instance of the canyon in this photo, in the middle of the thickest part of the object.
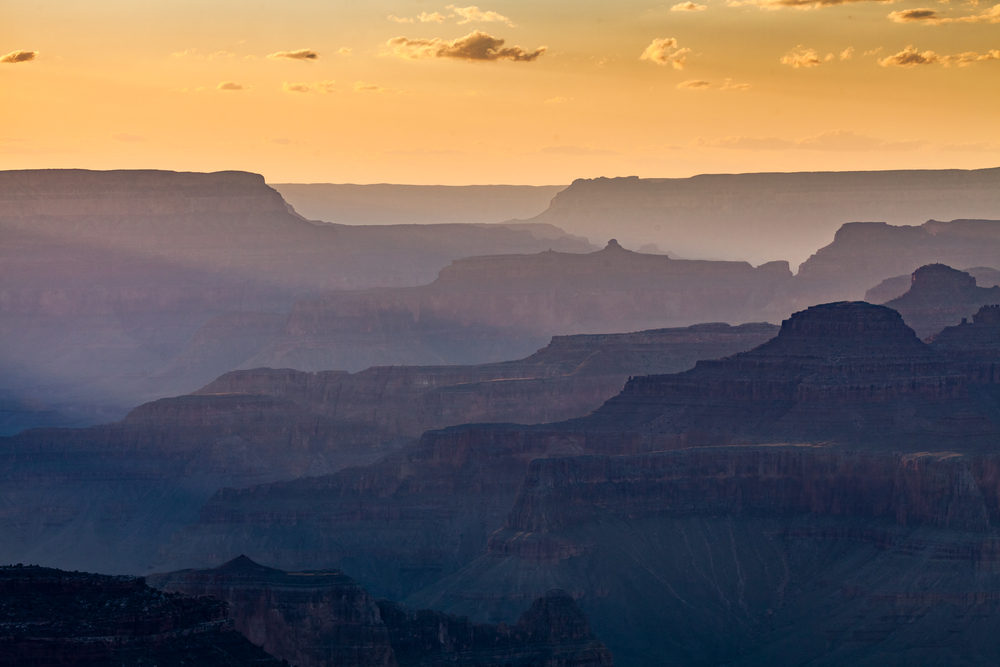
(773, 507)
(766, 217)
(104, 498)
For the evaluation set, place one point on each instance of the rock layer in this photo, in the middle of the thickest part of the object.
(939, 296)
(51, 617)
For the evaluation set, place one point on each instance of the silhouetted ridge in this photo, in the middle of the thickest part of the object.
(842, 328)
(940, 296)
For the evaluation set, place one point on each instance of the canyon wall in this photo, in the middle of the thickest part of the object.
(52, 617)
(764, 217)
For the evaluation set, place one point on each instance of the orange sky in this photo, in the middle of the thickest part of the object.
(337, 91)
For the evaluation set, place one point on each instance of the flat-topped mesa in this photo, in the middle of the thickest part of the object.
(77, 193)
(975, 345)
(941, 296)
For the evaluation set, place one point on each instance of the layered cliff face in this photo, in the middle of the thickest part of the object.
(939, 296)
(108, 280)
(897, 286)
(51, 617)
(761, 217)
(107, 497)
(864, 253)
(501, 306)
(777, 555)
(324, 618)
(310, 619)
(847, 373)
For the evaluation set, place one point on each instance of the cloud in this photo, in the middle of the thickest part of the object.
(19, 57)
(694, 85)
(435, 17)
(575, 151)
(229, 85)
(799, 57)
(665, 52)
(128, 138)
(476, 46)
(475, 15)
(800, 4)
(301, 54)
(193, 53)
(315, 87)
(911, 57)
(729, 85)
(834, 141)
(929, 16)
(344, 51)
(847, 53)
(362, 87)
(688, 7)
(398, 20)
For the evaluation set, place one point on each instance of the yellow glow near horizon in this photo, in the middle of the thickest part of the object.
(311, 91)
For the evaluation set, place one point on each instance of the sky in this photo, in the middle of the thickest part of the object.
(541, 92)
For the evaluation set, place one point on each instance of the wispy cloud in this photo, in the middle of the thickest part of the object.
(698, 84)
(229, 85)
(301, 54)
(847, 53)
(694, 85)
(476, 15)
(928, 16)
(911, 57)
(19, 57)
(729, 85)
(800, 57)
(688, 7)
(476, 46)
(665, 51)
(363, 87)
(315, 87)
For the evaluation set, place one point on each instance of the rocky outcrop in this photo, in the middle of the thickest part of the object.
(324, 618)
(310, 619)
(897, 286)
(864, 253)
(760, 217)
(847, 373)
(503, 305)
(939, 296)
(552, 632)
(52, 617)
(144, 477)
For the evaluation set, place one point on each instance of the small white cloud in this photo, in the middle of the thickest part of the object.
(688, 7)
(694, 85)
(475, 15)
(229, 85)
(800, 57)
(398, 19)
(665, 51)
(301, 54)
(847, 53)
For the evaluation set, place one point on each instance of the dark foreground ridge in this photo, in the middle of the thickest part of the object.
(324, 618)
(56, 618)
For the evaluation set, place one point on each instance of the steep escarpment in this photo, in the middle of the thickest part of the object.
(775, 555)
(761, 217)
(897, 286)
(864, 253)
(847, 373)
(52, 617)
(108, 496)
(939, 296)
(108, 279)
(311, 619)
(502, 306)
(324, 618)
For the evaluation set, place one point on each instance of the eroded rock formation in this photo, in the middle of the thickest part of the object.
(939, 296)
(52, 617)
